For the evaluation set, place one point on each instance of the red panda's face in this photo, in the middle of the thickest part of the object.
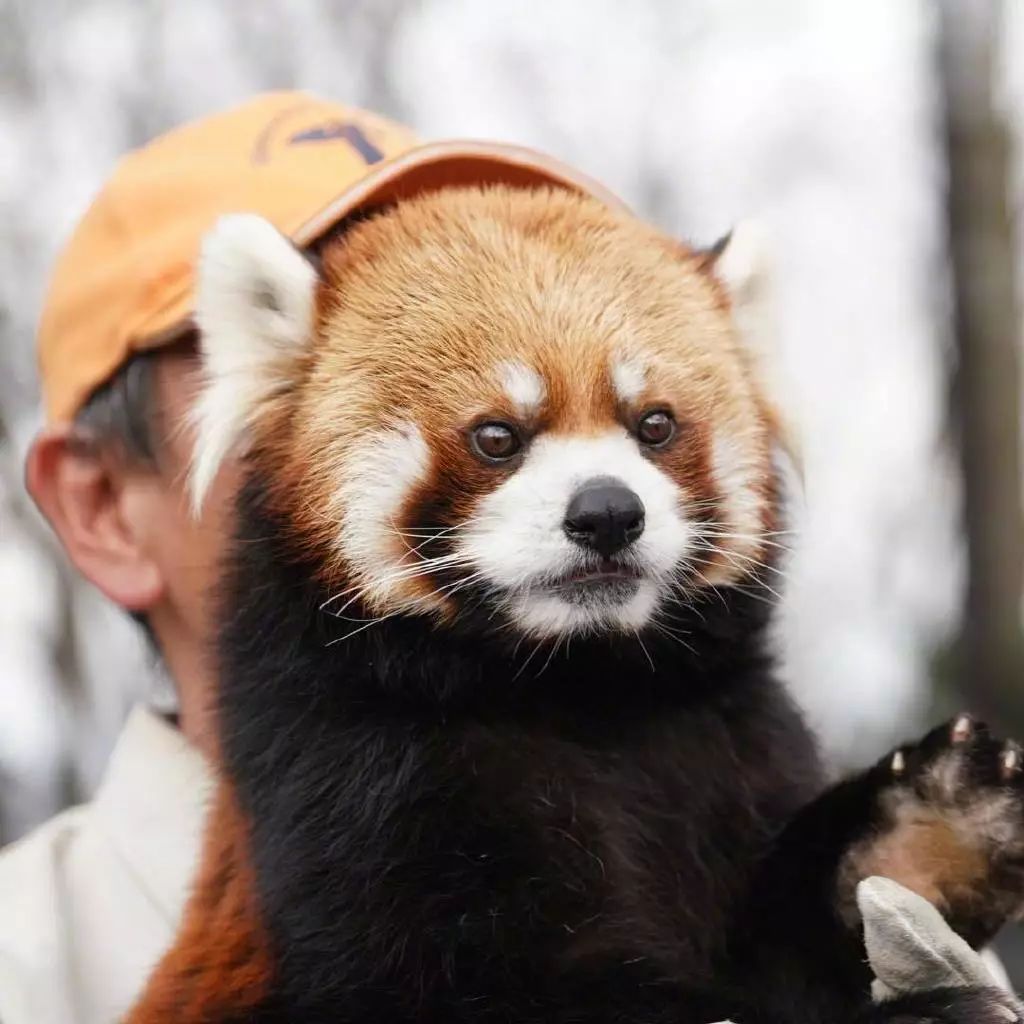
(513, 402)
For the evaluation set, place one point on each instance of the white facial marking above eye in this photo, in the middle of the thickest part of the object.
(629, 378)
(523, 385)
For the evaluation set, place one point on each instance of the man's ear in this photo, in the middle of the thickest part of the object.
(84, 494)
(254, 308)
(740, 261)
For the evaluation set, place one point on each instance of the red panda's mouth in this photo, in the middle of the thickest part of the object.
(605, 571)
(605, 579)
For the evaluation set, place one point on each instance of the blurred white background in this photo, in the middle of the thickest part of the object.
(820, 117)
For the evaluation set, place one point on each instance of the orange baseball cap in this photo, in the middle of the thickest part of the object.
(125, 281)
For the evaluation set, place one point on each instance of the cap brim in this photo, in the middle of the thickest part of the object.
(421, 170)
(439, 165)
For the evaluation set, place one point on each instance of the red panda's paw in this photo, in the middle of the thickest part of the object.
(950, 826)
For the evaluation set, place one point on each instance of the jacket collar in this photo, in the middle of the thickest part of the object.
(152, 805)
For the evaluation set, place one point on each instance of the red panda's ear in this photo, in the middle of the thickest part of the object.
(254, 308)
(740, 261)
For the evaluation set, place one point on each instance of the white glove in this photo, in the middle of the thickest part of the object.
(910, 946)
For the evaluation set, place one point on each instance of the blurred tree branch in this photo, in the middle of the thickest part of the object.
(987, 381)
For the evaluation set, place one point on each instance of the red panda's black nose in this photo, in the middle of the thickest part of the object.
(604, 515)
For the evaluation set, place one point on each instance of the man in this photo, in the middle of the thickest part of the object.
(90, 901)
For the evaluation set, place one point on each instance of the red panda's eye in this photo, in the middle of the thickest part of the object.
(656, 428)
(496, 441)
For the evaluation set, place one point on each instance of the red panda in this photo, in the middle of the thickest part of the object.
(501, 734)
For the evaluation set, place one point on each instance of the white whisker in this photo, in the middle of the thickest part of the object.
(643, 647)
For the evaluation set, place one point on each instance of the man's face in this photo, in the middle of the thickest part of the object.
(126, 526)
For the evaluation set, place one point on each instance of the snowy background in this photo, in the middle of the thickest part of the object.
(820, 117)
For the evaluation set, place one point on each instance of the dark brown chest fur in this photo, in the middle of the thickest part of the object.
(435, 828)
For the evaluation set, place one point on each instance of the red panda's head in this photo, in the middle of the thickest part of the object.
(513, 400)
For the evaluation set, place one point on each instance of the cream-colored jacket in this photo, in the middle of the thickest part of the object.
(90, 901)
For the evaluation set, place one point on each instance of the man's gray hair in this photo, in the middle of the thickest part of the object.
(122, 416)
(120, 413)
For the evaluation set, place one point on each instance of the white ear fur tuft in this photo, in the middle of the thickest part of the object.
(254, 310)
(741, 262)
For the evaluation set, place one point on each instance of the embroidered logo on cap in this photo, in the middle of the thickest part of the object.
(351, 133)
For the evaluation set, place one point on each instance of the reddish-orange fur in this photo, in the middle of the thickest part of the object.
(219, 966)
